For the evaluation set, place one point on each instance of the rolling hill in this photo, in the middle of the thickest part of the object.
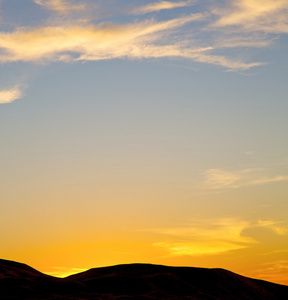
(134, 281)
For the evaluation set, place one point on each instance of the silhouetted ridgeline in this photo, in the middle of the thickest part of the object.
(135, 281)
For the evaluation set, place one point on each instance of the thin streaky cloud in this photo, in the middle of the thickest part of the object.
(196, 249)
(269, 179)
(217, 179)
(11, 94)
(61, 6)
(220, 179)
(274, 271)
(230, 64)
(279, 228)
(255, 15)
(157, 6)
(250, 41)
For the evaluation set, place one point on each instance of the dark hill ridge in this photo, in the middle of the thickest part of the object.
(134, 281)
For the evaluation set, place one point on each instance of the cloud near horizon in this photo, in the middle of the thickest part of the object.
(215, 236)
(11, 94)
(205, 238)
(64, 271)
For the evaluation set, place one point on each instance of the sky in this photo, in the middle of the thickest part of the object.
(145, 131)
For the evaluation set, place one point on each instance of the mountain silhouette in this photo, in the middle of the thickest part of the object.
(134, 281)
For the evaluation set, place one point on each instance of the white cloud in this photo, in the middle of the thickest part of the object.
(221, 179)
(11, 94)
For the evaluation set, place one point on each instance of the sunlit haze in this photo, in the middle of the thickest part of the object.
(145, 131)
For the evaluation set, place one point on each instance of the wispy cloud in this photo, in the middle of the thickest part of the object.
(103, 41)
(279, 228)
(160, 5)
(146, 39)
(11, 94)
(274, 271)
(255, 15)
(218, 60)
(215, 236)
(82, 40)
(237, 41)
(222, 179)
(206, 238)
(61, 6)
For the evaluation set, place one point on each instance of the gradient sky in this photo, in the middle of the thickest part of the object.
(145, 131)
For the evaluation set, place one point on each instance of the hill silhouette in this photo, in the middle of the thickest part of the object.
(134, 281)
